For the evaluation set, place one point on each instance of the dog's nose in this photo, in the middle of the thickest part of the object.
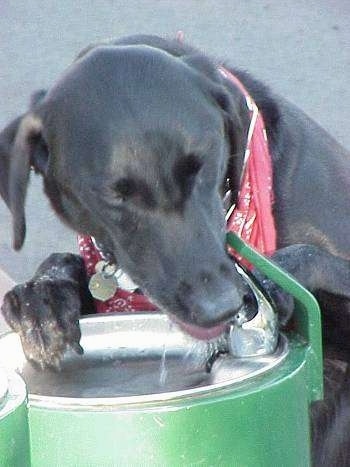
(212, 296)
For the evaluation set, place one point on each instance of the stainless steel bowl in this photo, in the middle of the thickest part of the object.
(131, 358)
(141, 395)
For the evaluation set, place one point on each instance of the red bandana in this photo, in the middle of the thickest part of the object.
(122, 299)
(251, 218)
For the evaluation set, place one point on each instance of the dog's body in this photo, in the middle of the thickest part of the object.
(135, 142)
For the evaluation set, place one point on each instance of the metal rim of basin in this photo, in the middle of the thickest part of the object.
(12, 391)
(126, 402)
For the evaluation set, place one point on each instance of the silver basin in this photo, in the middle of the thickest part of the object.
(132, 358)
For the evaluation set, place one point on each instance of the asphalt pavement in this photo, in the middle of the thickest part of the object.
(300, 48)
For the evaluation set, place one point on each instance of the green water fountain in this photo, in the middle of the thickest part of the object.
(142, 394)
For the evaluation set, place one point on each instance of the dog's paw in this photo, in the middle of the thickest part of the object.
(45, 314)
(283, 302)
(299, 261)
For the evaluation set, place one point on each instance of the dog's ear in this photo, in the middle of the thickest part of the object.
(230, 105)
(231, 110)
(21, 147)
(204, 65)
(27, 140)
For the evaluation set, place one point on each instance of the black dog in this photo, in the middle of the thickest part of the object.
(135, 143)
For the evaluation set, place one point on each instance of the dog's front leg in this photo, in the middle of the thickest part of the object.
(45, 310)
(315, 268)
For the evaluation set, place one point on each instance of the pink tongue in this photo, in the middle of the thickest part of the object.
(201, 333)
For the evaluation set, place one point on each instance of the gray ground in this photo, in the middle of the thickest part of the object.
(301, 48)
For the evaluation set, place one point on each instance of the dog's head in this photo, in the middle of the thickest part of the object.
(133, 145)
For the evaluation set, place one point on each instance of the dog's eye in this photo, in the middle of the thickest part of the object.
(124, 188)
(187, 167)
(192, 165)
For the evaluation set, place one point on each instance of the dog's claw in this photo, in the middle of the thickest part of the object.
(283, 302)
(77, 348)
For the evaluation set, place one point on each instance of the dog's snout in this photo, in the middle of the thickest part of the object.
(212, 296)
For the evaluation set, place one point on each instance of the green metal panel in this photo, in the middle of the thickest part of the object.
(262, 423)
